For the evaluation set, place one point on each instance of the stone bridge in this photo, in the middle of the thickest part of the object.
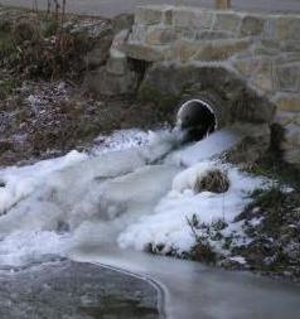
(248, 63)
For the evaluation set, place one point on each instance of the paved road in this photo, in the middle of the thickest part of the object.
(114, 7)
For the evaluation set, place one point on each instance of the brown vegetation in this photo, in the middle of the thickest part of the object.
(214, 181)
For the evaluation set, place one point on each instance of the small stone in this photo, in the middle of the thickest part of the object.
(252, 26)
(288, 77)
(160, 36)
(220, 49)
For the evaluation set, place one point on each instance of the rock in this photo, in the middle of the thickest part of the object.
(65, 289)
(161, 36)
(227, 21)
(150, 15)
(255, 142)
(252, 26)
(288, 102)
(258, 71)
(99, 54)
(288, 77)
(288, 27)
(188, 17)
(144, 52)
(183, 51)
(93, 28)
(285, 118)
(220, 49)
(291, 144)
(213, 35)
(138, 35)
(117, 63)
(101, 82)
(166, 84)
(122, 22)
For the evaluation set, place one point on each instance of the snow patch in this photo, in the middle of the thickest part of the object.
(20, 182)
(23, 247)
(168, 225)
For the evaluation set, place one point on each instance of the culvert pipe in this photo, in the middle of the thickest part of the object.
(199, 116)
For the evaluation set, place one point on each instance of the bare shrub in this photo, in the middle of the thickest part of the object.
(214, 181)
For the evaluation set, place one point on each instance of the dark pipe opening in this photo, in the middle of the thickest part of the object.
(197, 119)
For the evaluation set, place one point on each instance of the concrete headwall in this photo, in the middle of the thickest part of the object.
(262, 50)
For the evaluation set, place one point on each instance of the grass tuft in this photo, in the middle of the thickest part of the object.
(214, 181)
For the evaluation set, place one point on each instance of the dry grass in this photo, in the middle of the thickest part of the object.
(37, 45)
(214, 181)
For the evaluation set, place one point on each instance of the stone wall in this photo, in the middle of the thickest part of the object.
(262, 50)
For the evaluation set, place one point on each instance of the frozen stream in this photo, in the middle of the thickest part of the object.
(138, 191)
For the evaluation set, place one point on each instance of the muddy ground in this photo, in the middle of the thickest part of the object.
(45, 109)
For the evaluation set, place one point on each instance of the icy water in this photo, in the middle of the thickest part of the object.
(136, 191)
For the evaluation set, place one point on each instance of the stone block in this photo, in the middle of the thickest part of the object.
(99, 54)
(185, 33)
(292, 134)
(213, 35)
(183, 51)
(160, 36)
(291, 153)
(138, 34)
(267, 47)
(220, 49)
(288, 77)
(283, 118)
(168, 18)
(119, 40)
(288, 102)
(270, 28)
(252, 26)
(144, 52)
(258, 70)
(291, 45)
(227, 22)
(117, 63)
(188, 17)
(288, 28)
(149, 15)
